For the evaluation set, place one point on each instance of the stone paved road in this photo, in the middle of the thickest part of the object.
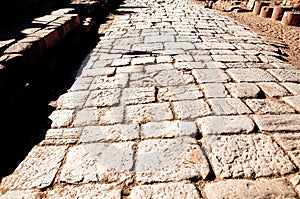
(175, 101)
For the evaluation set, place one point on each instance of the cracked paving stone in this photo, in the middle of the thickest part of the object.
(290, 142)
(99, 162)
(247, 156)
(38, 170)
(215, 125)
(101, 98)
(115, 133)
(165, 191)
(170, 159)
(143, 113)
(191, 109)
(107, 191)
(104, 82)
(210, 75)
(268, 106)
(243, 90)
(139, 95)
(228, 106)
(178, 93)
(173, 78)
(214, 90)
(61, 118)
(20, 194)
(240, 189)
(168, 129)
(286, 75)
(278, 122)
(250, 75)
(272, 89)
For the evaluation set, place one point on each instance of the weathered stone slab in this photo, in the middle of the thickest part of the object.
(104, 82)
(93, 72)
(18, 194)
(158, 67)
(210, 75)
(262, 188)
(229, 58)
(191, 109)
(228, 106)
(173, 78)
(81, 83)
(286, 75)
(273, 89)
(165, 191)
(61, 118)
(290, 142)
(61, 136)
(169, 129)
(142, 60)
(247, 156)
(72, 100)
(111, 115)
(143, 113)
(38, 170)
(101, 98)
(250, 75)
(104, 162)
(179, 45)
(107, 191)
(170, 159)
(214, 90)
(243, 90)
(278, 122)
(215, 125)
(293, 88)
(294, 101)
(178, 93)
(115, 133)
(121, 62)
(86, 116)
(268, 106)
(138, 95)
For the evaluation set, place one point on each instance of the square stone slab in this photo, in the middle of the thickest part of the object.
(165, 191)
(210, 75)
(262, 188)
(178, 93)
(139, 95)
(250, 75)
(228, 106)
(247, 156)
(99, 162)
(170, 159)
(243, 90)
(191, 109)
(268, 106)
(173, 78)
(101, 98)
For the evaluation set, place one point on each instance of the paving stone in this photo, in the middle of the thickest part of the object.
(228, 106)
(143, 113)
(285, 75)
(191, 109)
(72, 100)
(115, 133)
(159, 38)
(164, 59)
(165, 191)
(121, 62)
(215, 125)
(247, 156)
(173, 78)
(183, 58)
(178, 93)
(272, 89)
(107, 191)
(202, 58)
(99, 162)
(104, 82)
(214, 90)
(262, 188)
(229, 58)
(130, 69)
(268, 106)
(61, 136)
(18, 194)
(290, 142)
(147, 47)
(189, 65)
(170, 159)
(111, 115)
(81, 83)
(250, 75)
(143, 60)
(283, 122)
(100, 98)
(93, 72)
(38, 170)
(158, 67)
(294, 101)
(243, 90)
(293, 88)
(179, 45)
(168, 129)
(61, 118)
(139, 95)
(295, 180)
(86, 116)
(210, 75)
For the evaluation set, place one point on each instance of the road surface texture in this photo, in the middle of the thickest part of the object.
(175, 101)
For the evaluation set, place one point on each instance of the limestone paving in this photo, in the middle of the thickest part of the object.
(174, 101)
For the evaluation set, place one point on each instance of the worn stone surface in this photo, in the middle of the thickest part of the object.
(214, 90)
(285, 75)
(278, 122)
(272, 89)
(191, 109)
(178, 93)
(243, 90)
(170, 159)
(165, 191)
(250, 75)
(228, 106)
(293, 88)
(173, 78)
(210, 75)
(19, 194)
(100, 98)
(294, 101)
(262, 188)
(61, 118)
(138, 95)
(268, 106)
(247, 156)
